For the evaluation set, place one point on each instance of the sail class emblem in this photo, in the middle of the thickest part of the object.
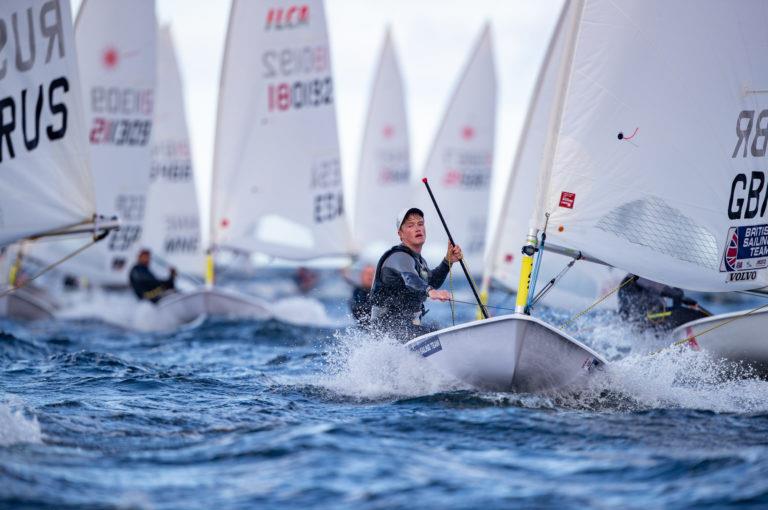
(467, 133)
(110, 58)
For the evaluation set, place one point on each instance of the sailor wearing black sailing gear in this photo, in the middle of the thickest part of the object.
(645, 304)
(404, 281)
(145, 284)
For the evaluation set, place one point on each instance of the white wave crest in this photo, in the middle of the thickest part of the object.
(16, 427)
(680, 378)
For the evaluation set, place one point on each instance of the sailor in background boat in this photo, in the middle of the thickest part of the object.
(145, 284)
(650, 305)
(403, 281)
(360, 303)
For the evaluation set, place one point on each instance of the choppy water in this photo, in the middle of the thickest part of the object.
(262, 414)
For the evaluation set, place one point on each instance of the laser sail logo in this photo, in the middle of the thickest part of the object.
(746, 251)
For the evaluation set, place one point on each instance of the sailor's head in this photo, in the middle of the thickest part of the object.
(410, 227)
(145, 256)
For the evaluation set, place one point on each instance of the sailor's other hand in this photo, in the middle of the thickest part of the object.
(454, 253)
(439, 295)
(173, 272)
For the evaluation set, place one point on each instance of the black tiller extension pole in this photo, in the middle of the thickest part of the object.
(450, 238)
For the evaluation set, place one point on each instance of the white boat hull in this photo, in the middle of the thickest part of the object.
(24, 305)
(509, 353)
(189, 306)
(743, 340)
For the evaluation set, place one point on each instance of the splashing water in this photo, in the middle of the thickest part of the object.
(365, 367)
(677, 378)
(15, 426)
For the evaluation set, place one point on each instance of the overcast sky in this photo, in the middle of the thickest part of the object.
(433, 39)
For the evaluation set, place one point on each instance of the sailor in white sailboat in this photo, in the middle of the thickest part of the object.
(145, 284)
(650, 305)
(403, 280)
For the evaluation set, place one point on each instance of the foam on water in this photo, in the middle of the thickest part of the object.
(15, 426)
(678, 378)
(365, 367)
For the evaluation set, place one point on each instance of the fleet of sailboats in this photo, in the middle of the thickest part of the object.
(641, 153)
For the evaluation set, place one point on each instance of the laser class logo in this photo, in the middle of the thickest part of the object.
(110, 58)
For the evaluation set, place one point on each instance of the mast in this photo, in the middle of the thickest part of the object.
(531, 242)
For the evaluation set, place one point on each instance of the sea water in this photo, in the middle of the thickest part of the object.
(248, 414)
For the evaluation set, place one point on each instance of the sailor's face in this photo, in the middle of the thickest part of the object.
(413, 232)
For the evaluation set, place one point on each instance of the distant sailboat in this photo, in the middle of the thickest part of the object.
(45, 174)
(460, 163)
(384, 173)
(116, 51)
(277, 186)
(172, 219)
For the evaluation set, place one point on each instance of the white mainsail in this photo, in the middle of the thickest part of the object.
(461, 160)
(383, 179)
(172, 219)
(656, 163)
(277, 185)
(584, 282)
(117, 47)
(45, 178)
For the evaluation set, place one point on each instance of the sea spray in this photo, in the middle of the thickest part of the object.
(15, 424)
(677, 378)
(368, 367)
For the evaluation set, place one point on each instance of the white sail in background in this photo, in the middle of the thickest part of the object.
(117, 47)
(45, 179)
(461, 160)
(172, 219)
(585, 282)
(277, 185)
(383, 179)
(657, 160)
